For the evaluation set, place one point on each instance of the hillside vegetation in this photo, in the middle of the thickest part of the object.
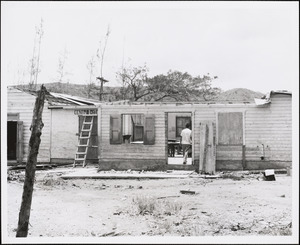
(81, 90)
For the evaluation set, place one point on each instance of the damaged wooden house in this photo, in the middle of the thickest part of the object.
(145, 136)
(61, 129)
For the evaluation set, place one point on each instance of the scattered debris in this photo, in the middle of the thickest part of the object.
(112, 233)
(211, 176)
(269, 175)
(166, 197)
(237, 227)
(187, 192)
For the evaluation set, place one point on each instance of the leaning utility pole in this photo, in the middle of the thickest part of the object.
(34, 144)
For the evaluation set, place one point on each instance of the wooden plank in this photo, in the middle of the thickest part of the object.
(244, 157)
(203, 146)
(210, 164)
(20, 142)
(149, 129)
(230, 128)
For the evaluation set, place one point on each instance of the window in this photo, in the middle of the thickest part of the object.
(180, 124)
(230, 128)
(132, 128)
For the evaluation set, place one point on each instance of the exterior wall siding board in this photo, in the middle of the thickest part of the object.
(270, 125)
(63, 133)
(23, 103)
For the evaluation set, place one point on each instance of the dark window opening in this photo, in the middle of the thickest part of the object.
(11, 140)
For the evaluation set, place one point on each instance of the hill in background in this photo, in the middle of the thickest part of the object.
(239, 95)
(81, 90)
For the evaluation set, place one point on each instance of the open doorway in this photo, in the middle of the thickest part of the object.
(11, 140)
(176, 122)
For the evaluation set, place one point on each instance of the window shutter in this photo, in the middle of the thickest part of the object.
(115, 129)
(20, 142)
(149, 130)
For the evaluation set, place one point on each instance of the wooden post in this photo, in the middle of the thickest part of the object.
(210, 164)
(203, 146)
(20, 142)
(244, 157)
(34, 144)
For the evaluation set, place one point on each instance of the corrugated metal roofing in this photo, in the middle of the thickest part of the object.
(266, 99)
(57, 99)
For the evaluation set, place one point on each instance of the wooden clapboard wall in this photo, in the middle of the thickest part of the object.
(270, 125)
(64, 135)
(108, 150)
(136, 156)
(23, 103)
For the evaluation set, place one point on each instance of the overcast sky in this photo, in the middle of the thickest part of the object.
(250, 45)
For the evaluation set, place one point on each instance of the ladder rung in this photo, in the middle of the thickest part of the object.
(84, 137)
(79, 159)
(80, 153)
(91, 115)
(88, 123)
(76, 156)
(86, 130)
(83, 146)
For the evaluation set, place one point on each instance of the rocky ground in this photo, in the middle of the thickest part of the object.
(239, 204)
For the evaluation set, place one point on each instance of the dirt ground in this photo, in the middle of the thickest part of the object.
(238, 204)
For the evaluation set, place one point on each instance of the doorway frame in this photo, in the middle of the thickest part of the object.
(15, 117)
(192, 112)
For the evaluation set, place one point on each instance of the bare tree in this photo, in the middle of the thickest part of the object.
(35, 60)
(133, 82)
(62, 73)
(100, 56)
(91, 67)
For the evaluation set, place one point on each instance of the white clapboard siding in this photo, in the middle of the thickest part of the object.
(64, 138)
(270, 126)
(23, 103)
(132, 151)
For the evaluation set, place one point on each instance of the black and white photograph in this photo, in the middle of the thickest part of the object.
(150, 122)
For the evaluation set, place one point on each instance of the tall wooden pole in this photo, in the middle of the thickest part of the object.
(34, 144)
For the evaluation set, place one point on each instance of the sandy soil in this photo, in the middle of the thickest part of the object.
(97, 208)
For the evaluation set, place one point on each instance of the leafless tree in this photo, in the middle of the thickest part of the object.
(35, 60)
(91, 68)
(100, 56)
(62, 73)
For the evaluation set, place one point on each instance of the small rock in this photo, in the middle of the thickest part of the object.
(282, 196)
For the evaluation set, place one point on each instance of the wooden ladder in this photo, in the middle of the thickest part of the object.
(84, 140)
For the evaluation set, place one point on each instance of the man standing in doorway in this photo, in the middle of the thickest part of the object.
(186, 141)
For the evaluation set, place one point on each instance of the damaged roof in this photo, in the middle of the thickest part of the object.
(266, 99)
(57, 99)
